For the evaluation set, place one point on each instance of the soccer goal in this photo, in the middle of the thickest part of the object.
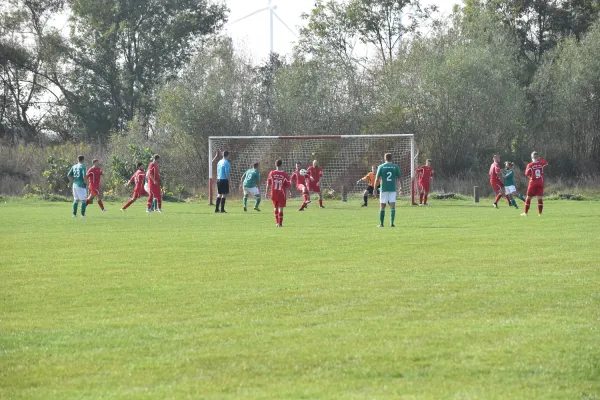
(344, 159)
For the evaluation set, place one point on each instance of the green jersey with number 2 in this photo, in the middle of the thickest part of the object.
(388, 172)
(77, 172)
(252, 178)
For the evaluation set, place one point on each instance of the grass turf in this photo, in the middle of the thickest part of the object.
(458, 301)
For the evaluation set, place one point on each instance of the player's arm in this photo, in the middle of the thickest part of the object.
(242, 180)
(70, 175)
(544, 162)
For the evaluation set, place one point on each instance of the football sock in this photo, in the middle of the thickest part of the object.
(245, 201)
(101, 204)
(276, 213)
(520, 196)
(281, 218)
(514, 202)
(540, 205)
(218, 204)
(75, 207)
(366, 197)
(223, 204)
(425, 198)
(305, 197)
(381, 216)
(392, 215)
(87, 201)
(498, 197)
(130, 202)
(320, 203)
(508, 200)
(83, 207)
(257, 202)
(156, 204)
(421, 198)
(527, 205)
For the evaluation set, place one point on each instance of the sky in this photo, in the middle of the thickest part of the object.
(252, 33)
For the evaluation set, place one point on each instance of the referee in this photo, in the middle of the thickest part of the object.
(223, 172)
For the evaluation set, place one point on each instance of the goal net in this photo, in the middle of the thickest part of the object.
(344, 159)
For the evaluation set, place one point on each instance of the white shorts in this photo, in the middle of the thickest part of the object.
(79, 193)
(510, 189)
(387, 197)
(147, 187)
(253, 191)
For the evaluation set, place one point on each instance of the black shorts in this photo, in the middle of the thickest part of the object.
(222, 186)
(371, 189)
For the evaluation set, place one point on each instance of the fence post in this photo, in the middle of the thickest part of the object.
(475, 194)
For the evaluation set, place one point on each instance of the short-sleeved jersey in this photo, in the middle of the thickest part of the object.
(279, 181)
(296, 177)
(535, 171)
(388, 172)
(153, 171)
(495, 171)
(77, 172)
(370, 179)
(315, 173)
(223, 169)
(509, 177)
(425, 173)
(93, 174)
(252, 178)
(139, 178)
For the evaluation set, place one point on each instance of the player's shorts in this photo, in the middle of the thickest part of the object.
(147, 188)
(535, 190)
(496, 185)
(94, 191)
(139, 193)
(302, 188)
(387, 197)
(424, 187)
(154, 191)
(79, 193)
(278, 201)
(222, 186)
(510, 189)
(314, 187)
(253, 191)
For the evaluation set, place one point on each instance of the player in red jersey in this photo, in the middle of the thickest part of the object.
(138, 179)
(315, 173)
(279, 182)
(535, 173)
(497, 181)
(94, 174)
(153, 175)
(301, 185)
(425, 173)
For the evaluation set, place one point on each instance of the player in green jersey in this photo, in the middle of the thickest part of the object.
(249, 182)
(509, 184)
(387, 174)
(77, 176)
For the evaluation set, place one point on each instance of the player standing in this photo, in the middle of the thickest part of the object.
(94, 174)
(509, 184)
(496, 181)
(315, 173)
(370, 190)
(223, 172)
(139, 179)
(388, 173)
(535, 172)
(277, 183)
(301, 186)
(425, 173)
(153, 176)
(250, 180)
(77, 175)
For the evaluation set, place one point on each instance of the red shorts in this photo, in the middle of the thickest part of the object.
(94, 191)
(314, 187)
(301, 188)
(154, 191)
(278, 200)
(535, 189)
(424, 187)
(139, 193)
(496, 185)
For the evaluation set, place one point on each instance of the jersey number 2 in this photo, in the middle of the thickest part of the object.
(389, 177)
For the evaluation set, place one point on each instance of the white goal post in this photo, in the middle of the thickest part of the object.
(344, 159)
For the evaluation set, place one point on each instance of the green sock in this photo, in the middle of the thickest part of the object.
(381, 216)
(257, 202)
(83, 206)
(393, 215)
(245, 202)
(521, 197)
(75, 208)
(154, 204)
(514, 203)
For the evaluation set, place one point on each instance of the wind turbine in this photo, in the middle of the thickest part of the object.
(272, 14)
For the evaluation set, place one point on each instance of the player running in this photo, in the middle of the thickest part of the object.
(425, 173)
(535, 172)
(249, 182)
(94, 174)
(370, 190)
(509, 184)
(315, 173)
(301, 185)
(496, 181)
(388, 173)
(153, 176)
(77, 176)
(139, 180)
(278, 181)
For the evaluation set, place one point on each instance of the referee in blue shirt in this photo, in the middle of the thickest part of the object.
(223, 172)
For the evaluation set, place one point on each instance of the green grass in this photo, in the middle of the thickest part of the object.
(459, 301)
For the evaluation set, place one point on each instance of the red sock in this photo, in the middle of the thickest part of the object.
(498, 197)
(130, 202)
(276, 213)
(527, 204)
(421, 198)
(281, 218)
(150, 199)
(508, 199)
(540, 205)
(87, 202)
(320, 203)
(100, 204)
(305, 197)
(159, 203)
(425, 199)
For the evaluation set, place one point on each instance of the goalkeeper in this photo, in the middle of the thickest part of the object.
(370, 190)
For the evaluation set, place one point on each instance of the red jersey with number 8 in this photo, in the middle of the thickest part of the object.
(535, 171)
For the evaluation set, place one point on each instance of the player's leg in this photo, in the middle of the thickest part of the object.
(158, 199)
(365, 198)
(245, 200)
(75, 200)
(219, 195)
(321, 199)
(100, 203)
(421, 193)
(528, 200)
(383, 199)
(90, 198)
(130, 202)
(392, 214)
(150, 200)
(280, 216)
(257, 200)
(275, 211)
(540, 204)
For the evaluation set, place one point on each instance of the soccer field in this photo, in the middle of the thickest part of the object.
(458, 301)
